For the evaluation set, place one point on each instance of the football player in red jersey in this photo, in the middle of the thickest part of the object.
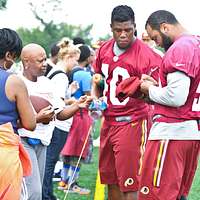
(125, 128)
(172, 150)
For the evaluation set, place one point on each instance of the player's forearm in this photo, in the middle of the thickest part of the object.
(175, 93)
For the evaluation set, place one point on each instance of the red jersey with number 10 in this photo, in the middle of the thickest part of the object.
(138, 59)
(183, 56)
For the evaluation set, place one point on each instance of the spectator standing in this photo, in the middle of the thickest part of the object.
(68, 56)
(14, 101)
(51, 62)
(33, 58)
(80, 127)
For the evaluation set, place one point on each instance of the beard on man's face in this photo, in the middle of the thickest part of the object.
(167, 42)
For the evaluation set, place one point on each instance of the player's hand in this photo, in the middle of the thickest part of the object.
(145, 85)
(96, 78)
(45, 115)
(149, 78)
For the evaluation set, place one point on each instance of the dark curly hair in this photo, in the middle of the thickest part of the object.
(122, 13)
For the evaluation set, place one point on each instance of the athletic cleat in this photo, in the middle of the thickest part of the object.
(62, 185)
(75, 188)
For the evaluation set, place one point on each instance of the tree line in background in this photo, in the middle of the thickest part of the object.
(3, 4)
(50, 31)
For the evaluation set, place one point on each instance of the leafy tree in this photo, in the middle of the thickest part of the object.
(53, 33)
(50, 30)
(53, 28)
(3, 4)
(54, 8)
(47, 8)
(106, 37)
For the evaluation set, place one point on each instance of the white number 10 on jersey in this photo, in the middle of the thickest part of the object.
(118, 71)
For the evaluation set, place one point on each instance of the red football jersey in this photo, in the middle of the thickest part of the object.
(184, 56)
(136, 60)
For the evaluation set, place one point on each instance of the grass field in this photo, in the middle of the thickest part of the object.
(195, 191)
(88, 174)
(88, 179)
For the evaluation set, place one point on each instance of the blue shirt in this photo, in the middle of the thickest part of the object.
(84, 79)
(8, 109)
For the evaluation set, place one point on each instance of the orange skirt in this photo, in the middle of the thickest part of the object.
(14, 163)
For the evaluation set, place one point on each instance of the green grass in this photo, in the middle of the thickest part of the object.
(87, 179)
(195, 191)
(88, 175)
